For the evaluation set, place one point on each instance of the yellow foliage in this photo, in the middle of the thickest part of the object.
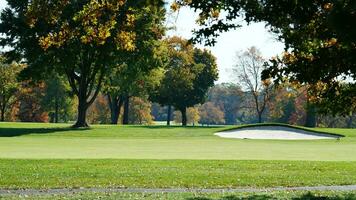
(97, 23)
(126, 40)
(175, 6)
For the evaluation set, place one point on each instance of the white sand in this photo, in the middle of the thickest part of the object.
(274, 133)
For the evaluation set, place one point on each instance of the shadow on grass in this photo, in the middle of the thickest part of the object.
(14, 132)
(308, 196)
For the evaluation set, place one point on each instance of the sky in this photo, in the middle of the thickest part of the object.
(228, 44)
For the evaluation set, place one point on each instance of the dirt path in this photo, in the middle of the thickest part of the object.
(173, 190)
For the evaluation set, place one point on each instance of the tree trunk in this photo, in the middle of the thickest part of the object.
(184, 116)
(349, 121)
(86, 87)
(311, 115)
(115, 104)
(169, 113)
(2, 114)
(82, 113)
(259, 117)
(114, 116)
(125, 119)
(3, 107)
(56, 110)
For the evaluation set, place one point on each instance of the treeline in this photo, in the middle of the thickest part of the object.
(157, 95)
(226, 104)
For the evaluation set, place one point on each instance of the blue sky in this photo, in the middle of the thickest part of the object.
(228, 43)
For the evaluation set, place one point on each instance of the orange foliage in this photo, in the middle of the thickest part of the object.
(29, 103)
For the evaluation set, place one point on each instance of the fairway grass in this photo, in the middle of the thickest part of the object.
(31, 141)
(331, 195)
(44, 174)
(47, 156)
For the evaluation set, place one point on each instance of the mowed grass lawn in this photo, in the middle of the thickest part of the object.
(42, 156)
(47, 141)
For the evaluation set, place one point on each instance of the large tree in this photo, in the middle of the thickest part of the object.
(319, 37)
(135, 71)
(81, 39)
(189, 75)
(9, 85)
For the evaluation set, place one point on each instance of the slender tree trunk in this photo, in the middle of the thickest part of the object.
(169, 113)
(259, 117)
(2, 114)
(311, 115)
(115, 112)
(112, 101)
(349, 121)
(115, 108)
(184, 116)
(125, 119)
(56, 110)
(3, 107)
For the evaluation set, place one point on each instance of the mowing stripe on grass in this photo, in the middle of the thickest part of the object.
(173, 190)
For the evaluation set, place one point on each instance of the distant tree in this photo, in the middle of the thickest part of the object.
(159, 112)
(140, 111)
(191, 72)
(248, 69)
(211, 114)
(9, 85)
(30, 102)
(80, 39)
(282, 104)
(57, 99)
(193, 116)
(299, 116)
(228, 97)
(350, 120)
(98, 112)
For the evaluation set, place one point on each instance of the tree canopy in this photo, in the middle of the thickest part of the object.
(81, 39)
(189, 75)
(319, 39)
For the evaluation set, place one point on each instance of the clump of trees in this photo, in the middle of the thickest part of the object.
(189, 74)
(9, 85)
(211, 114)
(58, 100)
(83, 39)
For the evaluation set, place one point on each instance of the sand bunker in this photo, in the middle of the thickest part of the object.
(274, 133)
